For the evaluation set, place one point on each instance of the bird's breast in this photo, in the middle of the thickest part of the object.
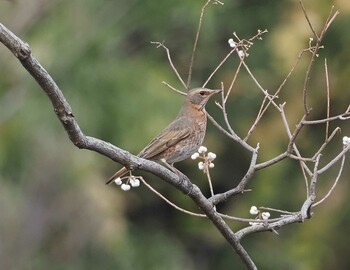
(191, 143)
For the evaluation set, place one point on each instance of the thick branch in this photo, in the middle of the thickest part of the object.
(64, 113)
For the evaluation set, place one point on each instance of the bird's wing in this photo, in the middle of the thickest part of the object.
(162, 142)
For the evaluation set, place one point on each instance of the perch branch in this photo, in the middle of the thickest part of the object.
(64, 113)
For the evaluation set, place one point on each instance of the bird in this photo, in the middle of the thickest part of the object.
(182, 137)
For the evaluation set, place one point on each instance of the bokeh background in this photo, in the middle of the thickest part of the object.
(56, 212)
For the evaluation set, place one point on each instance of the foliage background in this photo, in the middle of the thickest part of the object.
(56, 211)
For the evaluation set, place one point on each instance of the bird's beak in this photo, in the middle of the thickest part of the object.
(215, 91)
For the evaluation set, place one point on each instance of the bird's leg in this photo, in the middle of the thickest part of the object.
(170, 166)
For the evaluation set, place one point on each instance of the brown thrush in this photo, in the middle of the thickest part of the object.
(182, 137)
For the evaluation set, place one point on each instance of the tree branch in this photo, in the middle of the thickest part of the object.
(64, 113)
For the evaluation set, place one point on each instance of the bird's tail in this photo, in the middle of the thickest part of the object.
(119, 173)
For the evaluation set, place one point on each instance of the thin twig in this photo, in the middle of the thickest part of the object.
(343, 116)
(334, 160)
(160, 44)
(169, 202)
(248, 220)
(277, 210)
(304, 159)
(232, 82)
(233, 136)
(174, 89)
(328, 98)
(240, 188)
(223, 109)
(291, 146)
(314, 50)
(284, 119)
(301, 53)
(270, 97)
(195, 44)
(210, 183)
(307, 191)
(260, 114)
(262, 111)
(330, 20)
(246, 44)
(217, 68)
(308, 20)
(293, 137)
(314, 178)
(271, 161)
(225, 216)
(337, 129)
(334, 184)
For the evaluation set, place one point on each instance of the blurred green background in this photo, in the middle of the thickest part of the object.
(56, 212)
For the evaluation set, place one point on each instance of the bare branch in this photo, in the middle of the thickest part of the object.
(328, 98)
(265, 226)
(160, 44)
(314, 50)
(308, 20)
(313, 182)
(228, 125)
(343, 116)
(326, 142)
(168, 201)
(292, 138)
(333, 186)
(174, 89)
(270, 162)
(300, 216)
(195, 43)
(217, 68)
(267, 95)
(276, 210)
(262, 110)
(246, 220)
(334, 160)
(232, 82)
(331, 17)
(233, 136)
(291, 146)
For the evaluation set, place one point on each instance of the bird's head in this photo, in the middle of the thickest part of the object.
(200, 96)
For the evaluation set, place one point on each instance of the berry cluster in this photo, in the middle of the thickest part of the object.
(207, 158)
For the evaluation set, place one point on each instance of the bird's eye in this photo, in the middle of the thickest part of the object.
(202, 93)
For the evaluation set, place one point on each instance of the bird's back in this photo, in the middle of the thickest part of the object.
(180, 139)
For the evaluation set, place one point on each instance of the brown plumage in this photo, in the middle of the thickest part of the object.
(182, 137)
